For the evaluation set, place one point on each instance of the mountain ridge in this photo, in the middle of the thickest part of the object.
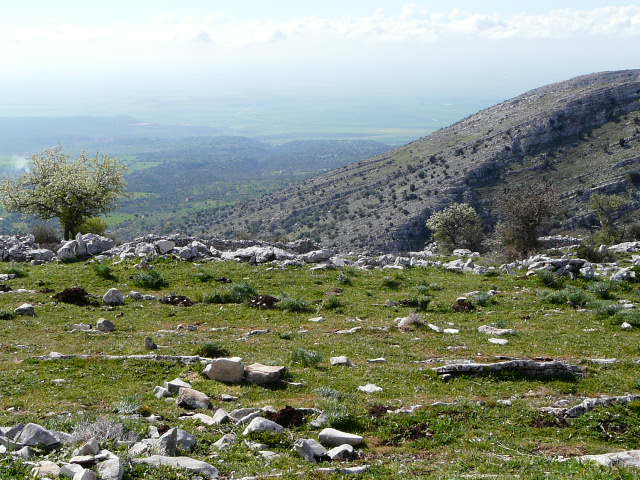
(383, 202)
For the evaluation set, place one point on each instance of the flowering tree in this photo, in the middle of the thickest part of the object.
(72, 190)
(457, 226)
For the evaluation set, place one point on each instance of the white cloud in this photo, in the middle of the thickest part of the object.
(411, 24)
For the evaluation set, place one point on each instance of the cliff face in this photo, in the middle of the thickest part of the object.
(582, 134)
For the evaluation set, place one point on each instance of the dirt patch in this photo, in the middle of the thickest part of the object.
(549, 421)
(264, 301)
(75, 296)
(177, 300)
(555, 450)
(287, 417)
(463, 305)
(377, 411)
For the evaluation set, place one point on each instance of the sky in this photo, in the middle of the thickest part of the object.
(297, 64)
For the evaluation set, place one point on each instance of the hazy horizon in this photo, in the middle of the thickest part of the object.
(394, 69)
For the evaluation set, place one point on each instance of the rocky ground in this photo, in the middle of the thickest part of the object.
(179, 358)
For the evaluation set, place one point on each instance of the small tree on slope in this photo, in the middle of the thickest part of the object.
(70, 190)
(457, 226)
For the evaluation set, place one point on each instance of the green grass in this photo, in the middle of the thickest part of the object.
(448, 441)
(236, 293)
(104, 271)
(153, 279)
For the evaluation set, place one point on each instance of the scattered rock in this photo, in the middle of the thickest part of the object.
(45, 469)
(186, 463)
(260, 424)
(113, 297)
(629, 458)
(370, 388)
(220, 417)
(111, 469)
(310, 450)
(33, 435)
(175, 385)
(226, 441)
(498, 332)
(342, 452)
(340, 361)
(26, 309)
(333, 438)
(227, 370)
(192, 399)
(91, 447)
(528, 368)
(105, 325)
(264, 374)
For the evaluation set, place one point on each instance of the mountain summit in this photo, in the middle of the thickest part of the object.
(582, 134)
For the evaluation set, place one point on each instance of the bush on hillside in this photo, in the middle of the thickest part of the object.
(457, 226)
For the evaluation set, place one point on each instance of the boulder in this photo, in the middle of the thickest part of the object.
(192, 399)
(70, 250)
(317, 256)
(111, 469)
(167, 444)
(70, 470)
(220, 417)
(26, 309)
(164, 246)
(113, 297)
(225, 442)
(340, 361)
(91, 447)
(342, 452)
(310, 450)
(94, 244)
(629, 458)
(264, 374)
(185, 440)
(161, 392)
(45, 469)
(105, 325)
(33, 435)
(228, 370)
(333, 438)
(85, 474)
(185, 463)
(145, 250)
(40, 255)
(260, 424)
(175, 385)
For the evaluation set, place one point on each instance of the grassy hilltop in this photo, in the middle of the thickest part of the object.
(473, 433)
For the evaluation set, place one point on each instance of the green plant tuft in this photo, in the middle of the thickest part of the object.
(151, 279)
(306, 358)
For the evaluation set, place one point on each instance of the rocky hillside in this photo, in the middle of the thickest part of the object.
(583, 134)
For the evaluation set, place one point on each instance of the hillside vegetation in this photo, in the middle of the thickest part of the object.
(172, 179)
(582, 135)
